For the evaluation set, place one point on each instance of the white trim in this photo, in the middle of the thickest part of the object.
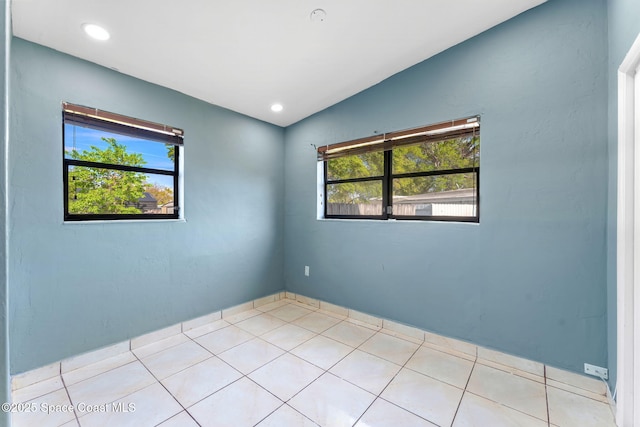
(122, 221)
(628, 237)
(515, 365)
(636, 284)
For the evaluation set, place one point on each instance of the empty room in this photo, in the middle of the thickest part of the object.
(320, 213)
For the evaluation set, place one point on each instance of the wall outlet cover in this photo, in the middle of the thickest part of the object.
(596, 371)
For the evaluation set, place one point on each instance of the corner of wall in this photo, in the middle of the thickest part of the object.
(5, 393)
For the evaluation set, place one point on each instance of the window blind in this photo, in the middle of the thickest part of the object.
(98, 119)
(467, 127)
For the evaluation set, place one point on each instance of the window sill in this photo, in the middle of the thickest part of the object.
(409, 221)
(123, 221)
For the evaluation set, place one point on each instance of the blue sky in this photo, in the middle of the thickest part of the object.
(154, 153)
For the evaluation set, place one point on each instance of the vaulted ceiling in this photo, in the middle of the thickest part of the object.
(246, 55)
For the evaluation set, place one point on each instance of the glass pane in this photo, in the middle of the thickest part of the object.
(355, 198)
(430, 156)
(107, 191)
(93, 145)
(360, 166)
(439, 195)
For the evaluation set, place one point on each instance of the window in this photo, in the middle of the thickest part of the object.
(427, 173)
(118, 167)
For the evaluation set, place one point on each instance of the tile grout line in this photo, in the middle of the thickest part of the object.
(167, 390)
(325, 371)
(66, 390)
(102, 372)
(379, 396)
(41, 394)
(220, 359)
(464, 390)
(209, 395)
(574, 393)
(285, 402)
(243, 374)
(213, 355)
(527, 379)
(507, 406)
(546, 394)
(270, 413)
(159, 382)
(437, 379)
(329, 338)
(443, 350)
(232, 347)
(289, 406)
(376, 331)
(319, 367)
(382, 358)
(262, 339)
(128, 394)
(173, 416)
(513, 371)
(504, 404)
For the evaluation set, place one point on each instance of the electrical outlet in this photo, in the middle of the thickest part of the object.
(596, 371)
(306, 270)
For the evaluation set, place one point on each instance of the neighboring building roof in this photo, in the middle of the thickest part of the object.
(147, 198)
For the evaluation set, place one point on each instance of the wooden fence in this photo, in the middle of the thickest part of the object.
(408, 209)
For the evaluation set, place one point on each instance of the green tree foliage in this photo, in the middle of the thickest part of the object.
(445, 155)
(106, 191)
(359, 166)
(430, 156)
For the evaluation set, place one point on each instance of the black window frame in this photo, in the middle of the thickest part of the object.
(129, 126)
(385, 143)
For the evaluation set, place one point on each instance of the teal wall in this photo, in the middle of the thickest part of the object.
(76, 287)
(530, 279)
(624, 28)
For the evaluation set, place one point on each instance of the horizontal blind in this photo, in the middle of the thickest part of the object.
(104, 120)
(467, 127)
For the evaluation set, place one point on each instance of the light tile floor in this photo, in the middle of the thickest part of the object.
(289, 364)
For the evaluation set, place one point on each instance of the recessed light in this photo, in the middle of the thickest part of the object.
(276, 108)
(96, 31)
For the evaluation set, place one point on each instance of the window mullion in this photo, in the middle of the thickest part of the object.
(176, 180)
(387, 196)
(99, 165)
(326, 189)
(65, 183)
(436, 172)
(363, 179)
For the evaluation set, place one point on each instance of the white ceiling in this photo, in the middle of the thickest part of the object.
(245, 55)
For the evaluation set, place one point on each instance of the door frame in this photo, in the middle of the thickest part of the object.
(628, 239)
